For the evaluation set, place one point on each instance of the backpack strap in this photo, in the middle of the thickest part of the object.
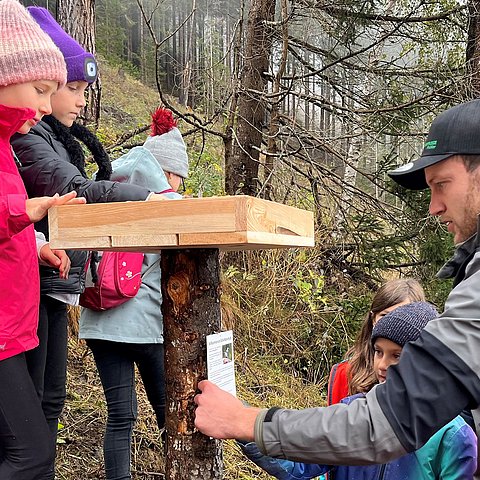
(149, 269)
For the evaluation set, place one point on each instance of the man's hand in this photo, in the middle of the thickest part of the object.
(38, 207)
(56, 259)
(221, 415)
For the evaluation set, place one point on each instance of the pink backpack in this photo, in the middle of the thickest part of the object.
(119, 276)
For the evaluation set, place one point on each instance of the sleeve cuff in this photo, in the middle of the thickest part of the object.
(265, 415)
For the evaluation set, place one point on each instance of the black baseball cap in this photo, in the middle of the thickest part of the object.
(455, 131)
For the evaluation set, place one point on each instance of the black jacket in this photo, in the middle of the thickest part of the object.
(46, 170)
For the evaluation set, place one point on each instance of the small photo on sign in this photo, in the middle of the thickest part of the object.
(227, 352)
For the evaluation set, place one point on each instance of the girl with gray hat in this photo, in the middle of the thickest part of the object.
(450, 454)
(132, 333)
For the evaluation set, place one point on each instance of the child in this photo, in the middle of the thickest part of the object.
(450, 454)
(52, 160)
(31, 69)
(355, 375)
(132, 334)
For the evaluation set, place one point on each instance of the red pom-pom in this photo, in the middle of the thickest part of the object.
(162, 121)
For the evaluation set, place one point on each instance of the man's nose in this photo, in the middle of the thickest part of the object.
(436, 207)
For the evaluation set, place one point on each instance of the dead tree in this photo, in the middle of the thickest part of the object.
(191, 310)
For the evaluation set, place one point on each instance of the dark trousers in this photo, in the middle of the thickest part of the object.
(26, 453)
(47, 364)
(115, 363)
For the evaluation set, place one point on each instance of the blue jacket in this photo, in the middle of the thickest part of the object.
(450, 454)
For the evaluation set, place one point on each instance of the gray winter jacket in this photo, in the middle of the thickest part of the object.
(436, 378)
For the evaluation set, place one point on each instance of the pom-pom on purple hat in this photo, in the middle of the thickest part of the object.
(81, 65)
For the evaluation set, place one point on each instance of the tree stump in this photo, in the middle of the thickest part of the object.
(191, 311)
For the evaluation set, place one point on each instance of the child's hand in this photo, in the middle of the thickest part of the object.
(155, 197)
(38, 207)
(278, 468)
(164, 196)
(56, 259)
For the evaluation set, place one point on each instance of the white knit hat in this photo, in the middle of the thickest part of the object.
(166, 143)
(26, 52)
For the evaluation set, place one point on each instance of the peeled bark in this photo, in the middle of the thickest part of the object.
(191, 310)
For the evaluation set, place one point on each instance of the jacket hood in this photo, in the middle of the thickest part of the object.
(140, 167)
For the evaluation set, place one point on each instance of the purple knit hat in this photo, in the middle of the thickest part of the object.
(27, 54)
(81, 65)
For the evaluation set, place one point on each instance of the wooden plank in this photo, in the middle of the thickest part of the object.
(243, 240)
(228, 223)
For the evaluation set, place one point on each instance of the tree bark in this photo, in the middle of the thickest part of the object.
(473, 48)
(241, 172)
(77, 18)
(191, 310)
(274, 127)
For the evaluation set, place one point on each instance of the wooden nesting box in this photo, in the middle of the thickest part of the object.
(228, 223)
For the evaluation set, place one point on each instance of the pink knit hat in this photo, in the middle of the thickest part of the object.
(26, 52)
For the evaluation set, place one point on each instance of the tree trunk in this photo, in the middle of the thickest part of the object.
(473, 48)
(274, 127)
(187, 71)
(191, 310)
(241, 172)
(349, 177)
(77, 18)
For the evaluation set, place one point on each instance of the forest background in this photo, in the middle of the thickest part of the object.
(304, 102)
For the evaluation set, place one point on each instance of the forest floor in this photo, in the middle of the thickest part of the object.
(79, 449)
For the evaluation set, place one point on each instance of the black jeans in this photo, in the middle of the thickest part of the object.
(115, 363)
(47, 364)
(26, 453)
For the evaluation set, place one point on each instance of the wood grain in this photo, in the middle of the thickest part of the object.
(228, 223)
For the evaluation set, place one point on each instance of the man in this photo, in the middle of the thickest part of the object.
(438, 375)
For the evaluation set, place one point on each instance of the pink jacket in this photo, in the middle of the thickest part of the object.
(20, 287)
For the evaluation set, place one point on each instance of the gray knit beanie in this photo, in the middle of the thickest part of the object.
(166, 143)
(405, 323)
